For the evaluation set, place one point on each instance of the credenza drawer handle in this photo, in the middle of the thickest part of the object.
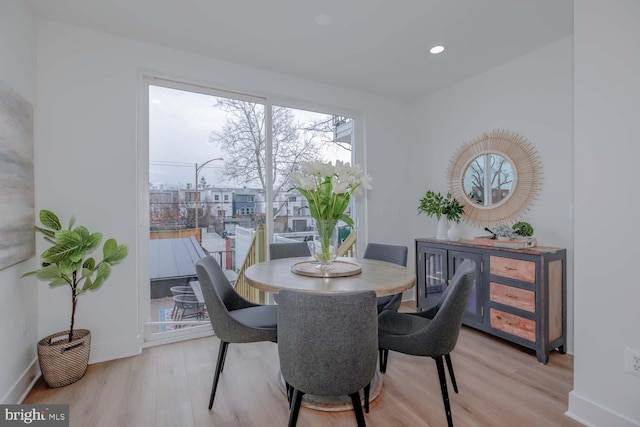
(510, 268)
(511, 296)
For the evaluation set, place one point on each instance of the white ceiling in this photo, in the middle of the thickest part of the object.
(374, 46)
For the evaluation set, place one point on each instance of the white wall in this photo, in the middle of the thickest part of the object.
(532, 96)
(86, 131)
(18, 297)
(607, 288)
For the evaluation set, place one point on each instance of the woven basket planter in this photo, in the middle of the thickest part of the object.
(63, 362)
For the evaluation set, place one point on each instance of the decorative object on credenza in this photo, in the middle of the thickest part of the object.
(523, 229)
(433, 204)
(494, 236)
(516, 237)
(496, 176)
(526, 242)
(454, 212)
(504, 232)
(16, 178)
(64, 356)
(328, 190)
(445, 209)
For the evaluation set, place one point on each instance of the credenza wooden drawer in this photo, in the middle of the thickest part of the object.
(513, 324)
(514, 297)
(517, 269)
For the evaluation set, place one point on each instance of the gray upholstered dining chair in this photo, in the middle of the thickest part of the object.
(390, 253)
(429, 314)
(411, 333)
(327, 346)
(234, 319)
(288, 250)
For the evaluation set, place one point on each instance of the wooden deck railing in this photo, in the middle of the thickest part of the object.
(258, 253)
(348, 247)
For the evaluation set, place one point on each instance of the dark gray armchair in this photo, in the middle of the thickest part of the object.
(288, 250)
(390, 253)
(412, 333)
(234, 319)
(327, 346)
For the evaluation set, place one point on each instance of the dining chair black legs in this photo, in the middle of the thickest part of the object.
(367, 390)
(447, 358)
(222, 355)
(384, 355)
(443, 388)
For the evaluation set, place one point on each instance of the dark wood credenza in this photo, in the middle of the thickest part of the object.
(518, 295)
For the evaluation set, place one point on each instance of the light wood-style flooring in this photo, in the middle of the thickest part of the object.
(500, 385)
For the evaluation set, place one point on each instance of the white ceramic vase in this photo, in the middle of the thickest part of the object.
(453, 233)
(443, 226)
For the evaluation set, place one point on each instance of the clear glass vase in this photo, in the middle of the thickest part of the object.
(325, 247)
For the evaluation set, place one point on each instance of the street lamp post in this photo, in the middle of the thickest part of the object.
(197, 196)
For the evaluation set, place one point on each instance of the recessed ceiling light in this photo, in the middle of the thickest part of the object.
(436, 50)
(323, 19)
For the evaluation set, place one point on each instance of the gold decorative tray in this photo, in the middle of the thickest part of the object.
(339, 269)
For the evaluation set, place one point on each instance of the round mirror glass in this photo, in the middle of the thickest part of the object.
(489, 180)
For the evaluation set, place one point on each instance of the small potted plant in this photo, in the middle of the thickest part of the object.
(444, 208)
(454, 212)
(522, 229)
(64, 356)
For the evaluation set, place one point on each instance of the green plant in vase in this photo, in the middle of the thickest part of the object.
(453, 210)
(328, 190)
(445, 209)
(433, 204)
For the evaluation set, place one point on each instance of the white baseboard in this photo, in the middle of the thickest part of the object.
(592, 414)
(105, 351)
(23, 385)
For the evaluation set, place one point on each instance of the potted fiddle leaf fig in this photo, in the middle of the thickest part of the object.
(64, 356)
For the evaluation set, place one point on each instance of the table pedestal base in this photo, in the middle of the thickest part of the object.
(336, 403)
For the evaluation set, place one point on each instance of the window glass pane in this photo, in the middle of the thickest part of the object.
(202, 183)
(303, 136)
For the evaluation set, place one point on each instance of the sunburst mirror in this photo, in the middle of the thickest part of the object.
(496, 176)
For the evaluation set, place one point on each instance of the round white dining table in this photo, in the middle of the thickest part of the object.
(384, 278)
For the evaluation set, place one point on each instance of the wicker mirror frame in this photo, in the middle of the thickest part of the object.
(527, 170)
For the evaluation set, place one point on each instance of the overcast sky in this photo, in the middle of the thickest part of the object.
(180, 124)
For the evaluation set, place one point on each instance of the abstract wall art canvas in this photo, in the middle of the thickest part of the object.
(17, 212)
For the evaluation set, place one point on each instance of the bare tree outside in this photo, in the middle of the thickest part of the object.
(243, 141)
(500, 176)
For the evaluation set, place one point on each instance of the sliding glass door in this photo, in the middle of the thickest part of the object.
(218, 168)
